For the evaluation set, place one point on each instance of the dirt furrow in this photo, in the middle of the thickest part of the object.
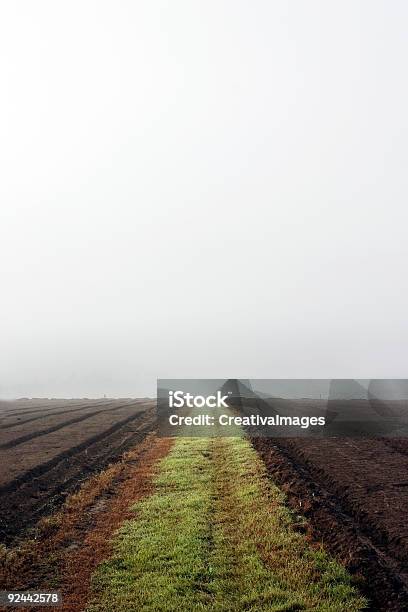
(43, 432)
(40, 407)
(46, 415)
(379, 573)
(43, 488)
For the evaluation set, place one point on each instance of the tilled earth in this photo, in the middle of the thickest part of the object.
(354, 493)
(49, 447)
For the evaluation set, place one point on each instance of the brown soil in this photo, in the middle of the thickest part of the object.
(354, 495)
(41, 463)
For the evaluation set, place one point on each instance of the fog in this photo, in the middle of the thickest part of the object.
(201, 189)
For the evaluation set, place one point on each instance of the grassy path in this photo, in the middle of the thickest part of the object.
(216, 535)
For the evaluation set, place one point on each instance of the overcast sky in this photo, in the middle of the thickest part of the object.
(201, 189)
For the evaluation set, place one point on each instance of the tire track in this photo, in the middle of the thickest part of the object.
(46, 415)
(41, 489)
(84, 404)
(43, 432)
(38, 470)
(42, 408)
(100, 462)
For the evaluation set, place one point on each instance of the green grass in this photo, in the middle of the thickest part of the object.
(217, 536)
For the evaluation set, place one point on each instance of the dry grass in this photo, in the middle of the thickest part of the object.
(74, 540)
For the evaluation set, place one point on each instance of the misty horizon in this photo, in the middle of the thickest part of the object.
(198, 189)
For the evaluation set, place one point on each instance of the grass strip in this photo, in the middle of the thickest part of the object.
(217, 536)
(262, 562)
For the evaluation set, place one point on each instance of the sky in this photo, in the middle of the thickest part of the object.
(201, 189)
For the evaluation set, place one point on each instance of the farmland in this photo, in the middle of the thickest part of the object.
(48, 447)
(87, 487)
(354, 494)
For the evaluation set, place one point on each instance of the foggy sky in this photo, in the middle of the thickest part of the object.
(201, 189)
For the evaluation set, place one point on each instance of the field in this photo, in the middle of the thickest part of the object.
(88, 488)
(354, 494)
(48, 447)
